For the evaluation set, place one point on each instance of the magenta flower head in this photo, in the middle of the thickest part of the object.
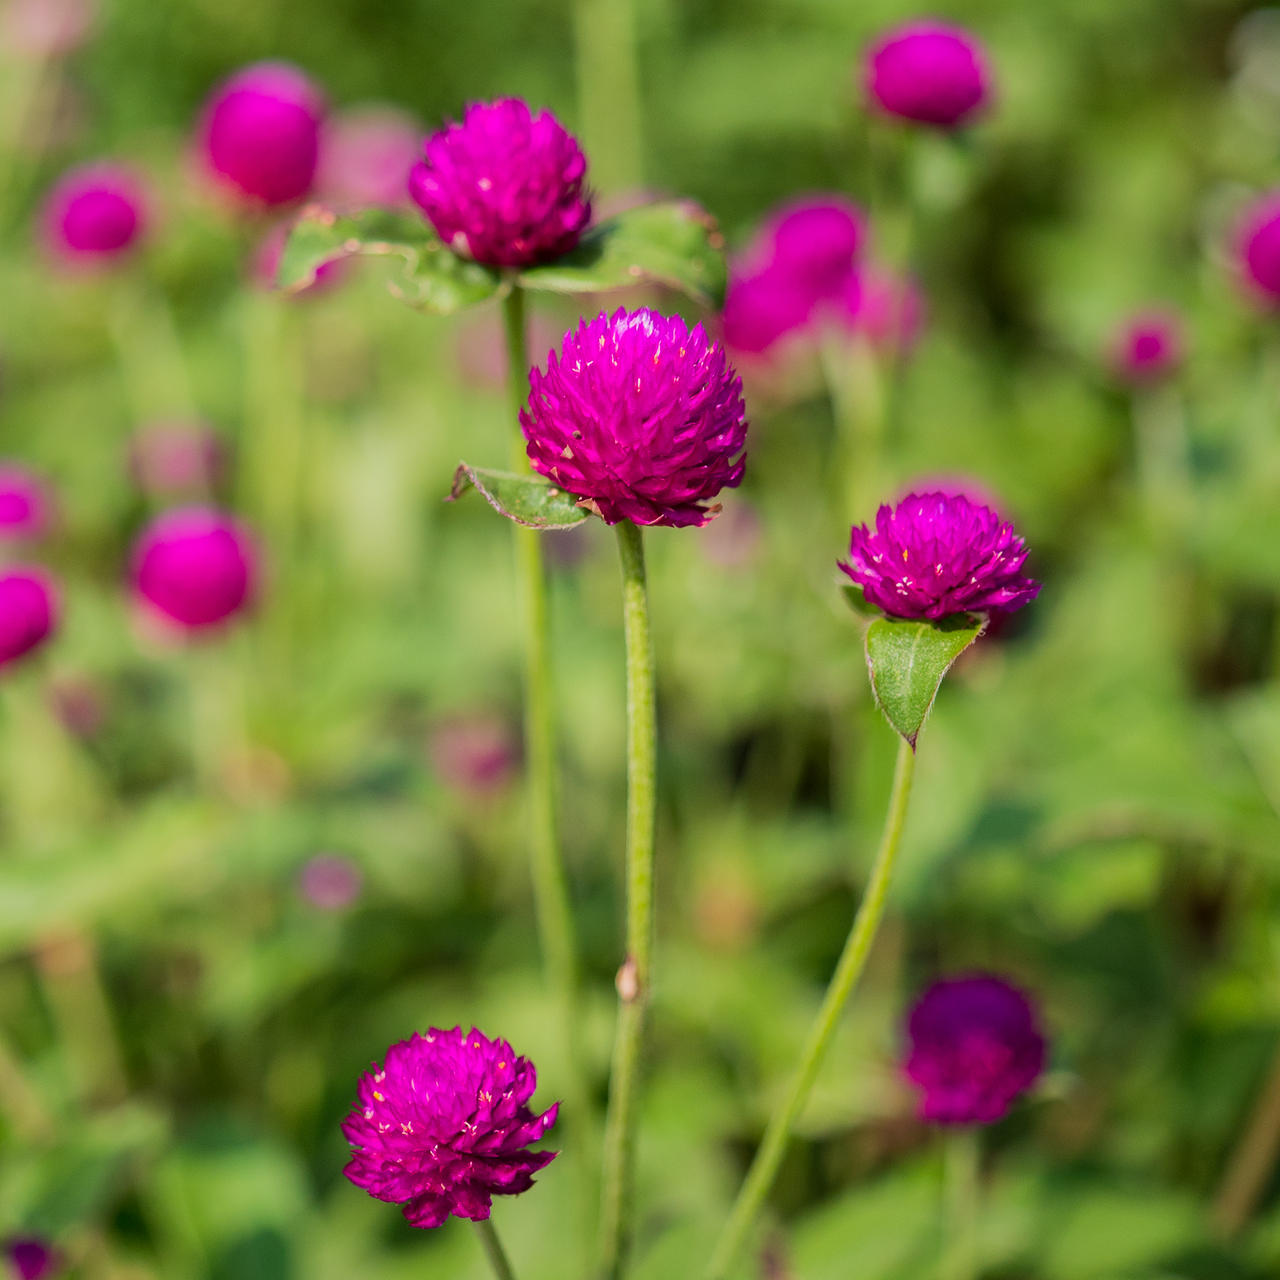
(32, 1258)
(444, 1125)
(936, 554)
(195, 567)
(762, 309)
(94, 215)
(366, 156)
(260, 135)
(1149, 347)
(815, 242)
(25, 507)
(1258, 247)
(28, 612)
(928, 72)
(640, 418)
(330, 882)
(504, 187)
(975, 1046)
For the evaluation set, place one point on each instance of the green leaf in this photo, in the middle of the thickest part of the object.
(433, 278)
(675, 243)
(907, 660)
(528, 500)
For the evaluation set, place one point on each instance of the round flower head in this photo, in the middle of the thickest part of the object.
(504, 187)
(94, 214)
(330, 881)
(1258, 247)
(28, 612)
(32, 1258)
(762, 309)
(444, 1125)
(261, 132)
(936, 554)
(1148, 347)
(815, 242)
(24, 504)
(365, 158)
(928, 72)
(975, 1047)
(640, 418)
(194, 566)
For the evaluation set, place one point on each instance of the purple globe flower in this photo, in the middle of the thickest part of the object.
(366, 156)
(975, 1046)
(640, 418)
(28, 612)
(94, 215)
(195, 567)
(330, 882)
(260, 133)
(504, 187)
(32, 1258)
(762, 309)
(24, 503)
(816, 241)
(936, 554)
(928, 72)
(1148, 347)
(445, 1125)
(1258, 247)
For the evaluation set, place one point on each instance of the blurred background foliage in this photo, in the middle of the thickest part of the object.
(182, 1023)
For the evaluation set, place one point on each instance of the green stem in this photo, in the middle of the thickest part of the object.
(493, 1249)
(19, 1102)
(149, 351)
(633, 977)
(961, 1159)
(855, 388)
(609, 108)
(853, 959)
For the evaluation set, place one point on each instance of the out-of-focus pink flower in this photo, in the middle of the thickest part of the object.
(196, 567)
(266, 262)
(94, 215)
(260, 133)
(731, 540)
(1258, 246)
(930, 73)
(28, 612)
(79, 705)
(175, 459)
(1148, 347)
(330, 882)
(45, 28)
(762, 309)
(476, 754)
(888, 310)
(366, 155)
(25, 504)
(32, 1258)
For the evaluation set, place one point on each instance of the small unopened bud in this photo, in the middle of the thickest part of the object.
(628, 981)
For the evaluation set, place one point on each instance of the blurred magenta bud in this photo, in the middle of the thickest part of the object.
(928, 72)
(25, 505)
(731, 540)
(330, 882)
(45, 28)
(762, 309)
(170, 459)
(366, 155)
(32, 1258)
(78, 704)
(505, 187)
(195, 566)
(888, 310)
(1258, 246)
(477, 754)
(1148, 347)
(94, 214)
(266, 262)
(28, 611)
(261, 132)
(815, 242)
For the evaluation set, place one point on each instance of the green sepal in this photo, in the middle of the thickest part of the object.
(856, 599)
(432, 279)
(907, 660)
(674, 243)
(528, 500)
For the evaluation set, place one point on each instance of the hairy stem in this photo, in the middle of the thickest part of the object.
(764, 1168)
(493, 1249)
(633, 977)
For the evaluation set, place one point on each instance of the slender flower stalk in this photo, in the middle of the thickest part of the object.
(493, 1250)
(633, 977)
(1252, 1162)
(961, 1159)
(764, 1168)
(609, 92)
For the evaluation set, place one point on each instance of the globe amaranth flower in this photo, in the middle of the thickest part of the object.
(1258, 247)
(975, 1046)
(936, 554)
(444, 1125)
(366, 156)
(260, 133)
(1148, 347)
(330, 882)
(761, 309)
(928, 72)
(25, 506)
(505, 187)
(640, 418)
(28, 612)
(94, 215)
(194, 566)
(32, 1258)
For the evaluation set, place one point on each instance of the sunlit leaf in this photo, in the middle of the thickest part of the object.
(528, 500)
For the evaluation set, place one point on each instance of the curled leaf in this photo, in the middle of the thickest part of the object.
(528, 500)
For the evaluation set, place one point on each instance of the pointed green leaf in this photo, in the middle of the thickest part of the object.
(432, 279)
(674, 243)
(907, 661)
(528, 500)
